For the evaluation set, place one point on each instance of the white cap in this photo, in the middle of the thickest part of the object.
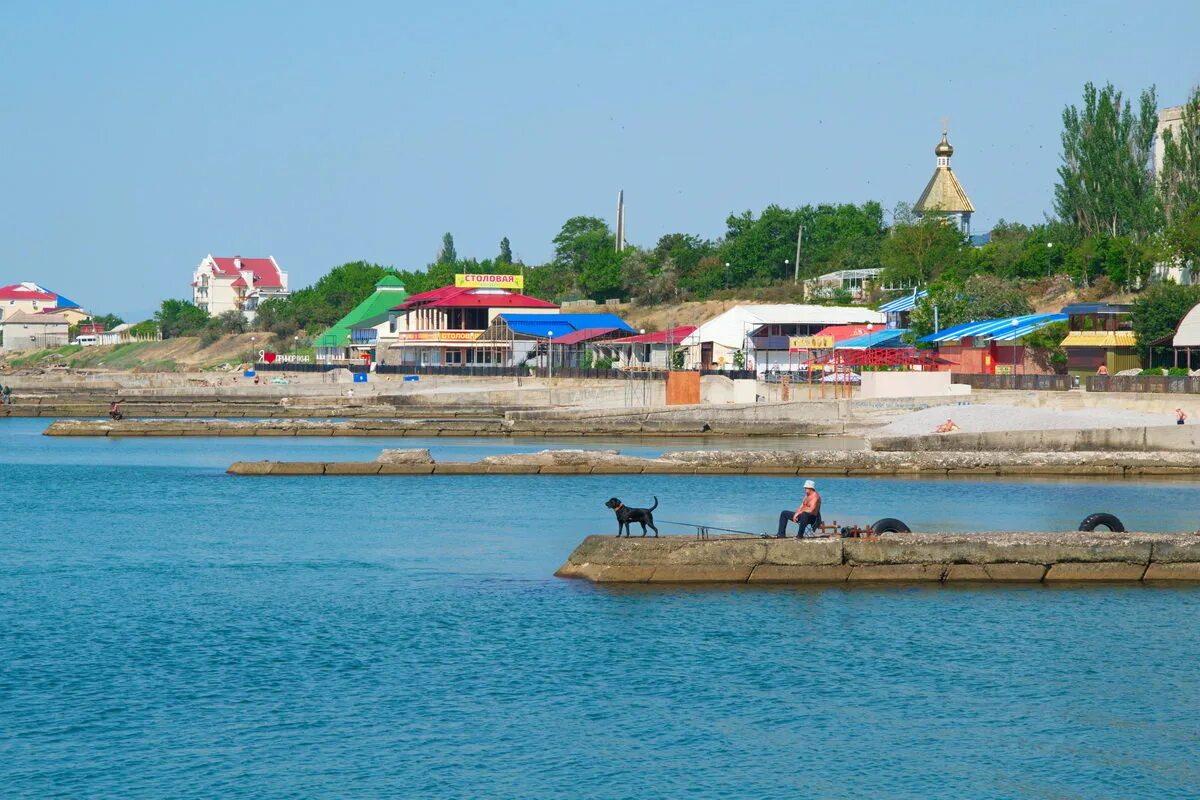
(809, 485)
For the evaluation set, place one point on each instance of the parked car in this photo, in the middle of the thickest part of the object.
(86, 340)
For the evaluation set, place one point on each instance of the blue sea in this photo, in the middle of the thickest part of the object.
(167, 631)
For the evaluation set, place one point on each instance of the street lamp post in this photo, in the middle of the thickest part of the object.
(1014, 349)
(1049, 258)
(550, 353)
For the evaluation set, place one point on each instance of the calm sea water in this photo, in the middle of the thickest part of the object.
(168, 631)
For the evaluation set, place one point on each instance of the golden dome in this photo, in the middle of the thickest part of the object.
(943, 148)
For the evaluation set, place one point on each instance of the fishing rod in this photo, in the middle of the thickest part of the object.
(702, 531)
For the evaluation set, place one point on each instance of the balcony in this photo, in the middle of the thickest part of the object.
(363, 336)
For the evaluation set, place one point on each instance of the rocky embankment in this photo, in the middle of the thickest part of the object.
(751, 462)
(900, 557)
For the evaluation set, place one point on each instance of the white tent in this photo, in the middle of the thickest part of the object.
(1188, 332)
(727, 332)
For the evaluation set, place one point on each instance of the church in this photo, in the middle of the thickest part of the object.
(944, 195)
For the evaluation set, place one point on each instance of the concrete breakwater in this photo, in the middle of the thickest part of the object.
(900, 557)
(751, 462)
(1160, 438)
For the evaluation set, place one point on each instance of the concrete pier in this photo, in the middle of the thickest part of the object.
(891, 558)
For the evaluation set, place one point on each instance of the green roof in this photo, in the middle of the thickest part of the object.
(388, 294)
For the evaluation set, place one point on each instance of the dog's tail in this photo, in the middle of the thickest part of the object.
(651, 508)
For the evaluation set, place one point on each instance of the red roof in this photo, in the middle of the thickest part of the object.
(239, 282)
(673, 336)
(842, 332)
(583, 335)
(468, 297)
(266, 273)
(18, 292)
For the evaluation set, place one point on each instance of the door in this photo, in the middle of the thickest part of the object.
(706, 353)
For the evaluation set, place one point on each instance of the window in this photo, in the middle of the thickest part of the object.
(454, 357)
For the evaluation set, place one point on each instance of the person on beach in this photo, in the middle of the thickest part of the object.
(809, 513)
(1102, 371)
(6, 394)
(1180, 416)
(949, 426)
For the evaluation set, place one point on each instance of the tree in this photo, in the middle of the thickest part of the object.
(980, 297)
(585, 250)
(505, 256)
(180, 318)
(1106, 182)
(325, 302)
(917, 254)
(1179, 183)
(1157, 312)
(447, 255)
(1182, 237)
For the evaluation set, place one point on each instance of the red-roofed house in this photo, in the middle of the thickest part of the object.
(31, 298)
(442, 327)
(233, 283)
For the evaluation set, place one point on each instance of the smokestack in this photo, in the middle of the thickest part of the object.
(620, 220)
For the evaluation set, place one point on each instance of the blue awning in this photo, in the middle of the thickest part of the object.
(901, 304)
(1006, 330)
(888, 337)
(539, 325)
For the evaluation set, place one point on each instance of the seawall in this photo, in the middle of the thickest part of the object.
(890, 558)
(1161, 438)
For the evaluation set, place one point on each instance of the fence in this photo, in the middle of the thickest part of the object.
(353, 366)
(1051, 383)
(1156, 384)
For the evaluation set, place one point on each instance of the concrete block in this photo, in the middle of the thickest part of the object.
(565, 469)
(770, 469)
(459, 468)
(997, 549)
(802, 552)
(274, 431)
(621, 574)
(1095, 571)
(705, 469)
(617, 469)
(798, 573)
(699, 573)
(314, 431)
(512, 469)
(1174, 571)
(995, 572)
(405, 469)
(250, 468)
(896, 572)
(681, 468)
(352, 468)
(708, 552)
(298, 468)
(1184, 548)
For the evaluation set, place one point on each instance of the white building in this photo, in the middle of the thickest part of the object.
(761, 333)
(24, 331)
(233, 283)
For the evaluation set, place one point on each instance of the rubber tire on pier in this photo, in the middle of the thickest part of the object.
(889, 525)
(1093, 521)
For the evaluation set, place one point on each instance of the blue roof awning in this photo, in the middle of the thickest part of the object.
(556, 325)
(1005, 330)
(901, 304)
(888, 337)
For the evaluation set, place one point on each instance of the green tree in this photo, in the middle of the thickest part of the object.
(979, 298)
(447, 255)
(180, 318)
(920, 253)
(325, 302)
(1106, 182)
(1157, 312)
(1179, 183)
(1182, 237)
(505, 256)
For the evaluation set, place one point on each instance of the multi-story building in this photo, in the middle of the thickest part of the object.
(233, 283)
(31, 298)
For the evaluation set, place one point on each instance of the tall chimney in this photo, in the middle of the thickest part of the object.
(620, 220)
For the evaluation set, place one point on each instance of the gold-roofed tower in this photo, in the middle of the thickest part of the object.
(944, 195)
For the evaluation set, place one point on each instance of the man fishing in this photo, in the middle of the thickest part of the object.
(809, 513)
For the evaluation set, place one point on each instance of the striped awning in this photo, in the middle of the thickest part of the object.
(1002, 330)
(901, 304)
(1100, 339)
(888, 337)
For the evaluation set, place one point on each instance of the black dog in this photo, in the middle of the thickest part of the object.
(626, 515)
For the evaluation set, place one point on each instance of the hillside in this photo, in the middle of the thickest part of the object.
(185, 353)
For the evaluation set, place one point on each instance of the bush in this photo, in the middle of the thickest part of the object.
(603, 363)
(1155, 372)
(1178, 372)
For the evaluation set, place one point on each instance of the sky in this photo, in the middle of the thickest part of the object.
(138, 137)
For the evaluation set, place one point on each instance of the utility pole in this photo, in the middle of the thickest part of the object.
(796, 269)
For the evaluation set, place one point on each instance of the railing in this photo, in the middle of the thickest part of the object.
(364, 336)
(1051, 383)
(1151, 384)
(559, 372)
(319, 367)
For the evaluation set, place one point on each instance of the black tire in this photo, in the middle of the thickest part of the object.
(1093, 521)
(889, 525)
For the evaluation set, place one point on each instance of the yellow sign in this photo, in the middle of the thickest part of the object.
(1004, 369)
(489, 281)
(439, 336)
(810, 343)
